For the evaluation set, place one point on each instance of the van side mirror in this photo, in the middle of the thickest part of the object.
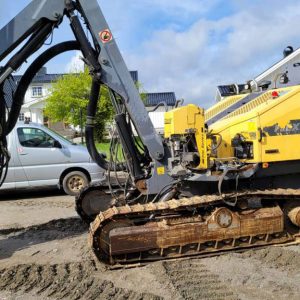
(57, 144)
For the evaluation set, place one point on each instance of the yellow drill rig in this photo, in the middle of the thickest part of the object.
(237, 187)
(220, 180)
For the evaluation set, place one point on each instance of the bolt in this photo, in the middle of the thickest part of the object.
(56, 15)
(159, 155)
(104, 61)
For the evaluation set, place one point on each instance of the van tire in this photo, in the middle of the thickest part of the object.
(73, 182)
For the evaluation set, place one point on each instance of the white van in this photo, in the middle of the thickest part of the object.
(40, 157)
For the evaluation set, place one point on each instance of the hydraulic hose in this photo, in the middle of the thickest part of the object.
(25, 81)
(29, 75)
(90, 125)
(89, 129)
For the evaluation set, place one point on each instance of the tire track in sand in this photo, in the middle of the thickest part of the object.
(192, 280)
(65, 281)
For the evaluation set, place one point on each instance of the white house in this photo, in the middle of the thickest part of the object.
(40, 88)
(36, 94)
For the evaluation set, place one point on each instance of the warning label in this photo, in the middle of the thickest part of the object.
(105, 36)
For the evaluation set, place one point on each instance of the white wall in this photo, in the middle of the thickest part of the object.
(28, 96)
(34, 106)
(157, 119)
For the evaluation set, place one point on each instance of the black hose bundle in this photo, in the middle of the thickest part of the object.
(92, 107)
(18, 100)
(89, 130)
(4, 154)
(26, 79)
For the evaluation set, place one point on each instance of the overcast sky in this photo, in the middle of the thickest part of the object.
(191, 46)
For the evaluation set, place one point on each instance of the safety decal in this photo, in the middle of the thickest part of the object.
(160, 171)
(293, 127)
(105, 36)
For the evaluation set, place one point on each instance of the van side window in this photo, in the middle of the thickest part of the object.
(34, 138)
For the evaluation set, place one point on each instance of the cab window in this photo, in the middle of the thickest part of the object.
(35, 138)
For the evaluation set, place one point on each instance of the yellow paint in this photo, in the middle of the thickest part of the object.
(250, 121)
(252, 126)
(160, 170)
(222, 105)
(262, 112)
(186, 120)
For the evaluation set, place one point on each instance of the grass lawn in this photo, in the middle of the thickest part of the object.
(103, 147)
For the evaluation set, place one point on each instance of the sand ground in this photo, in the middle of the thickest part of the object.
(44, 254)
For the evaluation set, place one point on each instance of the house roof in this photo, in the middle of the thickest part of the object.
(48, 78)
(43, 78)
(152, 99)
(9, 88)
(134, 75)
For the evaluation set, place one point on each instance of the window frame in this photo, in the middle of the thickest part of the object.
(33, 146)
(21, 117)
(38, 93)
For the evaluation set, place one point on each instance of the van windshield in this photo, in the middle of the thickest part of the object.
(56, 134)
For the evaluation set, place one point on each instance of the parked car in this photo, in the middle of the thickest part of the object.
(41, 157)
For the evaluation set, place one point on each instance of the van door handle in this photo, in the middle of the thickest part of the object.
(23, 153)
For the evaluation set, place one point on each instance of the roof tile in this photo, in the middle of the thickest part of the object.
(48, 78)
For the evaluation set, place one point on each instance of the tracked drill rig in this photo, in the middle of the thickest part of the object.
(225, 179)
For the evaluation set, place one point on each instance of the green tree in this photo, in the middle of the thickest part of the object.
(70, 95)
(142, 91)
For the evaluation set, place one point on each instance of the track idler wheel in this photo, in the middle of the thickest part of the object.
(91, 201)
(293, 212)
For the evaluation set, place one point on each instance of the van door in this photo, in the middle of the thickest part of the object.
(9, 182)
(42, 157)
(15, 165)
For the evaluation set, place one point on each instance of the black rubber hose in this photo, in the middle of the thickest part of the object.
(26, 79)
(90, 125)
(89, 130)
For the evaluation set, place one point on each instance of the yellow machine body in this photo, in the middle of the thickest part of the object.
(269, 125)
(270, 122)
(187, 120)
(222, 105)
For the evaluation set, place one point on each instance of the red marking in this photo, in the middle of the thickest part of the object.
(275, 94)
(105, 36)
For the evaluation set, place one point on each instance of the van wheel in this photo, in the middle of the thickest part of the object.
(73, 182)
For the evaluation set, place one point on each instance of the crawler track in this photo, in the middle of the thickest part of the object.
(172, 211)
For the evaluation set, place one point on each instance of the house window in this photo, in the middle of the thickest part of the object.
(21, 117)
(37, 91)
